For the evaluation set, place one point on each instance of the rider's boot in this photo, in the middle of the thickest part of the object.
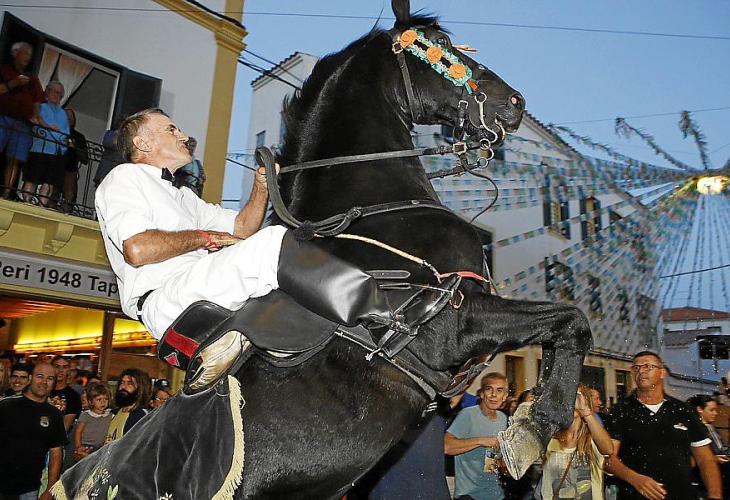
(344, 293)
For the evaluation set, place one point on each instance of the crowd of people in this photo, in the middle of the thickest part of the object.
(647, 445)
(54, 413)
(43, 152)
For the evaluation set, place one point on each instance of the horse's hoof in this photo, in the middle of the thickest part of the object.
(520, 444)
(215, 360)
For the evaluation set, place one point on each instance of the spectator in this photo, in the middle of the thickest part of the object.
(159, 397)
(706, 409)
(19, 379)
(20, 97)
(64, 397)
(131, 398)
(472, 438)
(191, 174)
(597, 404)
(110, 157)
(30, 429)
(4, 378)
(654, 437)
(76, 155)
(72, 380)
(45, 161)
(573, 464)
(93, 423)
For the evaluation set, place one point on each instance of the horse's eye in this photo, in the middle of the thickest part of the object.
(442, 40)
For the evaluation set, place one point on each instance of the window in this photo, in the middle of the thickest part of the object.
(589, 227)
(555, 214)
(622, 383)
(260, 138)
(613, 217)
(623, 306)
(594, 377)
(594, 304)
(559, 282)
(514, 367)
(714, 349)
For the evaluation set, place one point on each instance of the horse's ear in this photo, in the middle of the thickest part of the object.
(402, 11)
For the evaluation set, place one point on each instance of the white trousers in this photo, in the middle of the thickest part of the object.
(228, 278)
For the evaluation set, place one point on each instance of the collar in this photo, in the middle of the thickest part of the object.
(157, 172)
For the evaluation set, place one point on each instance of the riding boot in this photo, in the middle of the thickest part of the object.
(343, 293)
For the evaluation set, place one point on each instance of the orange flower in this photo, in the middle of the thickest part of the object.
(457, 71)
(408, 37)
(434, 54)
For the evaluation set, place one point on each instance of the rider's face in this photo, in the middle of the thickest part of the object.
(165, 144)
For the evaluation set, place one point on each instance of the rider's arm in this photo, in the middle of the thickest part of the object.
(455, 446)
(154, 245)
(250, 217)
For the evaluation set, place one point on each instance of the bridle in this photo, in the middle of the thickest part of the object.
(448, 65)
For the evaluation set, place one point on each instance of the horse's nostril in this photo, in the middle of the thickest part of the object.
(517, 101)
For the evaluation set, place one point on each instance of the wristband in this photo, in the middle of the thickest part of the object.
(209, 243)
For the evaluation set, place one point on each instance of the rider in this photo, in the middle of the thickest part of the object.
(169, 249)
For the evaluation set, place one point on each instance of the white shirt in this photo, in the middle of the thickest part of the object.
(134, 198)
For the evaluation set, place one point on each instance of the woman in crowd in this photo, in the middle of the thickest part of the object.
(706, 408)
(573, 463)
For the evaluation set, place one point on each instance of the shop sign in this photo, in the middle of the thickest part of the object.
(57, 275)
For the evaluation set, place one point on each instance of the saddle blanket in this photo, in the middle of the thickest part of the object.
(190, 448)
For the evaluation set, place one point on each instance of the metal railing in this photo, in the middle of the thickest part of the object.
(59, 145)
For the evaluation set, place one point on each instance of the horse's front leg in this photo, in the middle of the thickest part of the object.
(489, 324)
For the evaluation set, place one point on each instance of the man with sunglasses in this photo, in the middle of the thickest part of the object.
(655, 436)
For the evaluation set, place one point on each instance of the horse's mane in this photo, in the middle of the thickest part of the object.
(300, 107)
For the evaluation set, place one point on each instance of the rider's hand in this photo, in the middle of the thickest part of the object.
(489, 442)
(649, 488)
(260, 177)
(220, 240)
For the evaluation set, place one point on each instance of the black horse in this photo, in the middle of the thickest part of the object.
(312, 430)
(332, 419)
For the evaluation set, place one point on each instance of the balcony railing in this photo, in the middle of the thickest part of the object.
(54, 143)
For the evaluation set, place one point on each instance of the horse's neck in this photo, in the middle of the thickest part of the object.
(356, 121)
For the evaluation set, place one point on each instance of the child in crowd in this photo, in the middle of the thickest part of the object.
(94, 422)
(573, 464)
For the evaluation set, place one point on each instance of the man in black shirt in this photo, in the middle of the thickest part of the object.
(63, 396)
(655, 436)
(19, 379)
(29, 429)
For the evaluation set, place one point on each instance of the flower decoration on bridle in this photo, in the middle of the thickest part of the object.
(442, 60)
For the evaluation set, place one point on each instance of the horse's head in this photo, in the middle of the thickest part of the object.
(443, 85)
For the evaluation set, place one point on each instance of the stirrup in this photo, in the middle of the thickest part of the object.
(205, 360)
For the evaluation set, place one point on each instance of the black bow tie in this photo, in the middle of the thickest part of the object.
(167, 175)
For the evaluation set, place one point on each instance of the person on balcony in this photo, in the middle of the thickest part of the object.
(45, 165)
(20, 97)
(76, 155)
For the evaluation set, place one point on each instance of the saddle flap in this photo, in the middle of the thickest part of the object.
(276, 322)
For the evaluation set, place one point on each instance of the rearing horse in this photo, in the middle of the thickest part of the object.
(312, 430)
(361, 100)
